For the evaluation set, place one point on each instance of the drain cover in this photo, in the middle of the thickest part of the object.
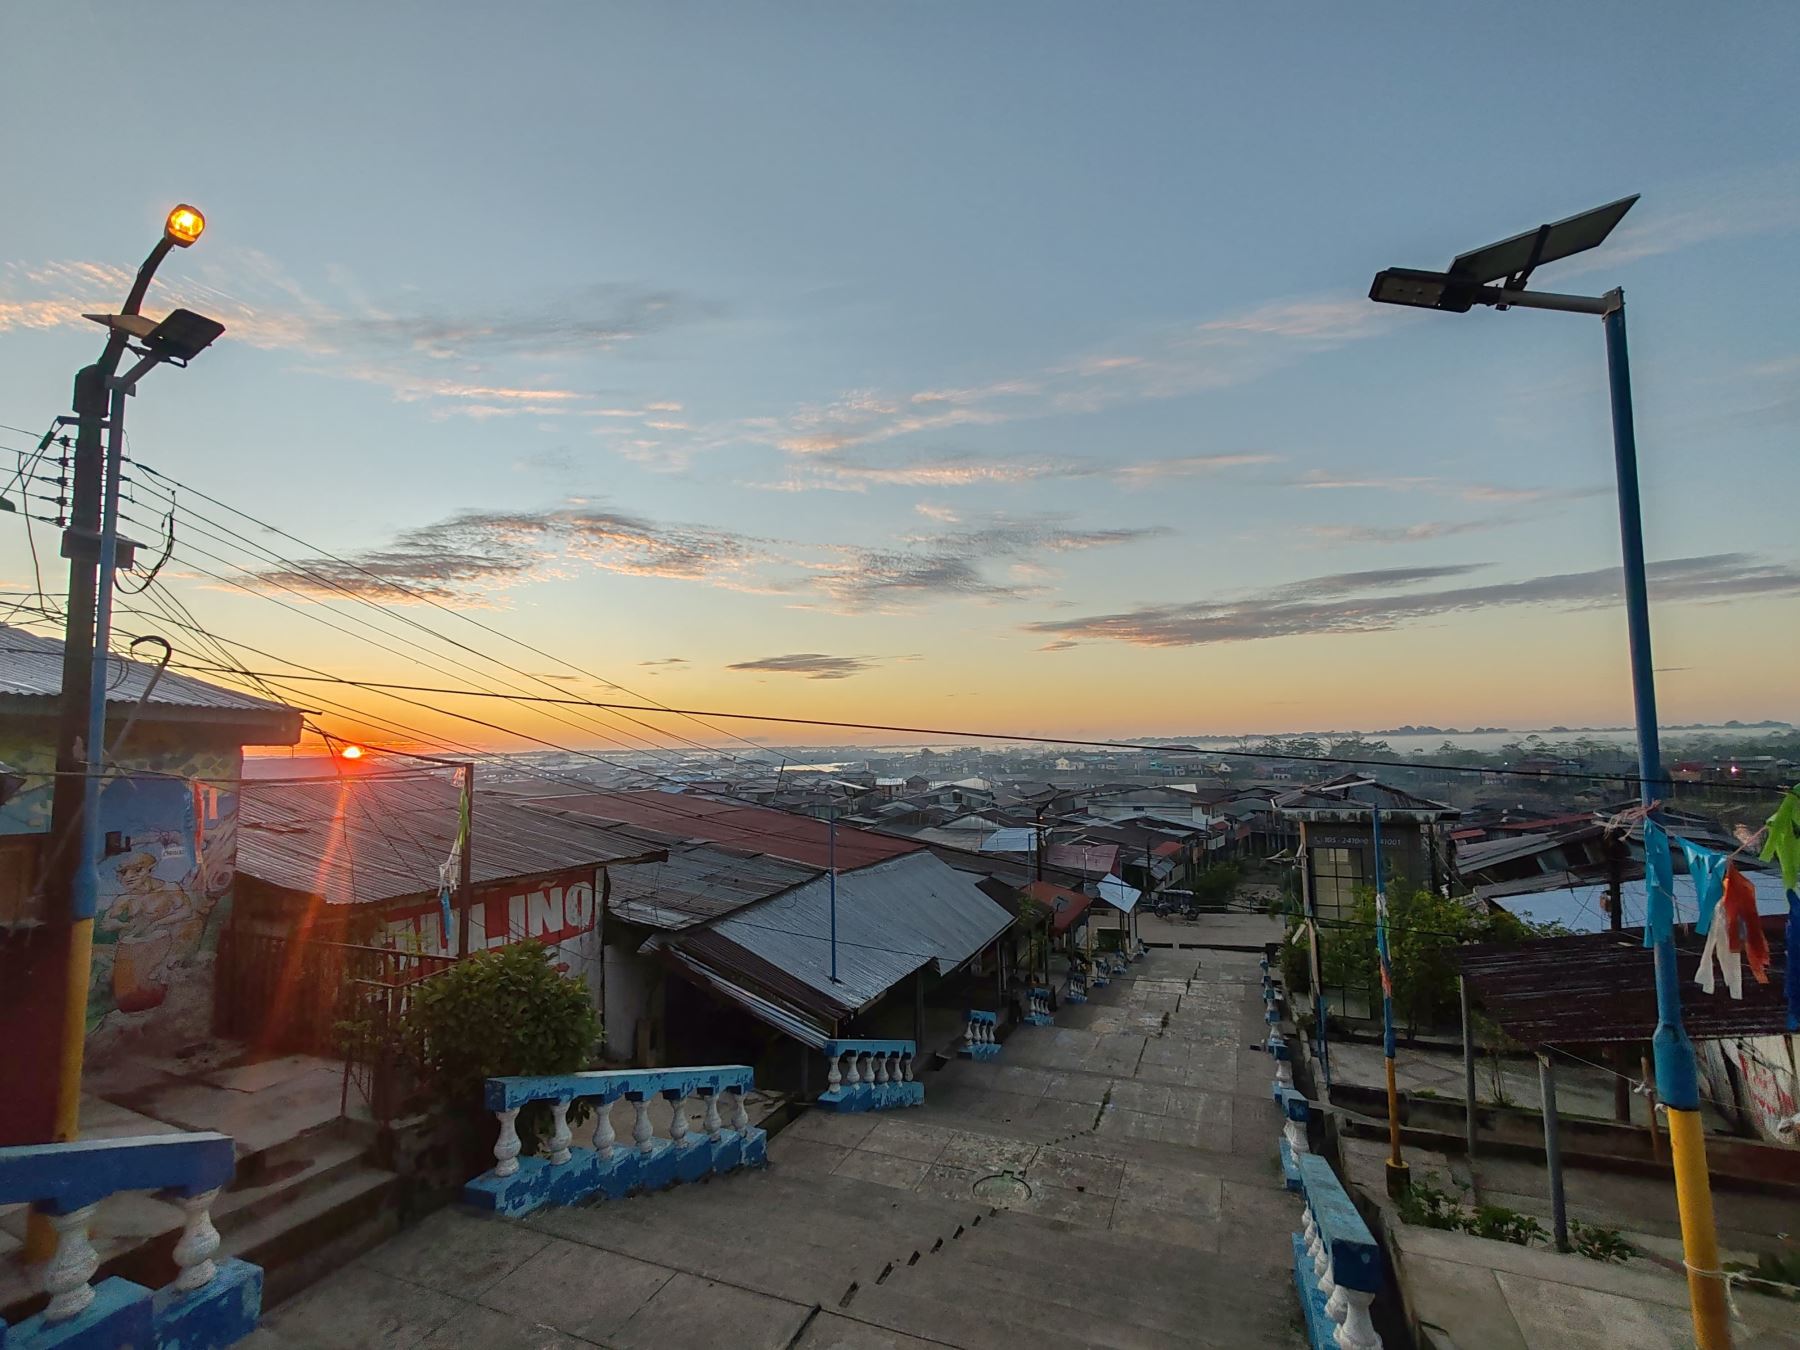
(1003, 1190)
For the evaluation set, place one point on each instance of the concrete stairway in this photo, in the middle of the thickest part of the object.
(1107, 1181)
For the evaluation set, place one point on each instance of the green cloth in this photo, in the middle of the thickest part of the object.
(1784, 839)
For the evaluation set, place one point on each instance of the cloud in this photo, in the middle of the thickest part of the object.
(1493, 494)
(952, 563)
(812, 665)
(473, 555)
(1418, 532)
(1376, 601)
(1060, 645)
(451, 356)
(845, 474)
(932, 511)
(666, 661)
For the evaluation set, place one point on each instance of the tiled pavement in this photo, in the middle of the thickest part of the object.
(1107, 1181)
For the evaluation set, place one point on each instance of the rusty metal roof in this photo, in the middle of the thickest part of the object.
(759, 829)
(1596, 987)
(361, 840)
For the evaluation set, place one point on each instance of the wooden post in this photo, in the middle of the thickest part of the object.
(1559, 1217)
(1650, 1105)
(1471, 1122)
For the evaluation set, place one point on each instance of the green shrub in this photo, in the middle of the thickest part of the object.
(500, 1013)
(1599, 1244)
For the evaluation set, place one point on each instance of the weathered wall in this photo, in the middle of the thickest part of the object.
(165, 878)
(1765, 1066)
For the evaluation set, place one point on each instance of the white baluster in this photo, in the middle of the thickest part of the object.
(987, 1033)
(560, 1136)
(881, 1070)
(1322, 1269)
(834, 1077)
(906, 1066)
(199, 1240)
(71, 1266)
(1355, 1329)
(506, 1147)
(850, 1078)
(1296, 1136)
(1309, 1232)
(1284, 1073)
(604, 1138)
(971, 1034)
(740, 1118)
(713, 1124)
(865, 1065)
(678, 1125)
(643, 1134)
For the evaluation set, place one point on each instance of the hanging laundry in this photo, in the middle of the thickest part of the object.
(1743, 925)
(1730, 962)
(1783, 843)
(1659, 877)
(1708, 871)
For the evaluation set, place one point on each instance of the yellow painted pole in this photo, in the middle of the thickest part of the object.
(1700, 1242)
(40, 1237)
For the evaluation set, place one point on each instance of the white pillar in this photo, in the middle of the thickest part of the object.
(678, 1124)
(560, 1136)
(71, 1266)
(865, 1067)
(199, 1240)
(712, 1122)
(1284, 1073)
(971, 1034)
(603, 1131)
(643, 1134)
(834, 1077)
(1356, 1331)
(881, 1069)
(906, 1067)
(850, 1078)
(740, 1118)
(1296, 1136)
(506, 1147)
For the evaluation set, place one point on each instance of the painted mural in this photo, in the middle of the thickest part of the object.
(168, 862)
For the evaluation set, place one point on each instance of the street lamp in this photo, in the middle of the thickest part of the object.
(1497, 275)
(92, 544)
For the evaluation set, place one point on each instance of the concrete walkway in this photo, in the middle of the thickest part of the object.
(1110, 1181)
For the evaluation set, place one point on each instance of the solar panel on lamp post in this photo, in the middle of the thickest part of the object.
(1496, 275)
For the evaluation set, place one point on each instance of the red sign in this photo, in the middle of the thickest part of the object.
(552, 909)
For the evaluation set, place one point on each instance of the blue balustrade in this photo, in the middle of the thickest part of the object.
(870, 1076)
(1337, 1265)
(565, 1174)
(1037, 1007)
(1283, 1055)
(1076, 990)
(981, 1032)
(1295, 1112)
(211, 1302)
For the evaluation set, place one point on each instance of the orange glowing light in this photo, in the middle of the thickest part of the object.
(351, 752)
(184, 225)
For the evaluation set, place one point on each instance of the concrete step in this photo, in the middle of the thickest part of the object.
(996, 1317)
(312, 1232)
(302, 1166)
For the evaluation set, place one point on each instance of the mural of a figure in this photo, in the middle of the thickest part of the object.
(156, 921)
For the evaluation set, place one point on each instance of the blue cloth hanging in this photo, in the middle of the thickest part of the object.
(1707, 868)
(1659, 876)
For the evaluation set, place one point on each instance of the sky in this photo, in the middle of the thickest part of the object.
(1005, 367)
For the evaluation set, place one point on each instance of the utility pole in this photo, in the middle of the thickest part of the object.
(831, 881)
(71, 870)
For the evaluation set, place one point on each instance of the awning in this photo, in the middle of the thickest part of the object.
(1116, 892)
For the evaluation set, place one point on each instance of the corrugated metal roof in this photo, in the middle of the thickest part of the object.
(1119, 894)
(699, 882)
(31, 667)
(757, 829)
(1354, 794)
(1602, 987)
(1010, 841)
(1066, 906)
(360, 840)
(892, 918)
(1088, 860)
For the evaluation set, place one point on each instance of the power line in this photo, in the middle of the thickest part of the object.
(380, 685)
(391, 583)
